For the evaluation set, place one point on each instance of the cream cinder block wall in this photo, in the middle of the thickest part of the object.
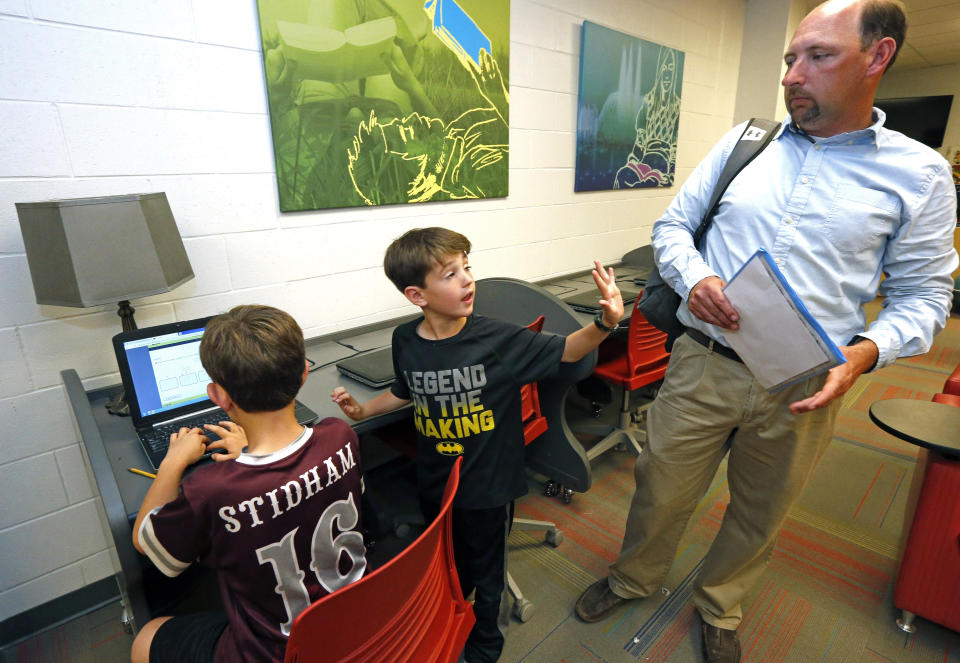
(929, 81)
(100, 98)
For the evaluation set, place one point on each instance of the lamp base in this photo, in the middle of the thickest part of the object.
(118, 404)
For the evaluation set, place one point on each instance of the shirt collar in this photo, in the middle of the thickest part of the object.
(869, 135)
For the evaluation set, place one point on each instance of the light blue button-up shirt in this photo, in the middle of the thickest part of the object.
(835, 214)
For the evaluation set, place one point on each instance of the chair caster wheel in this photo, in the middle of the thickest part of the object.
(567, 495)
(523, 610)
(551, 488)
(554, 537)
(905, 622)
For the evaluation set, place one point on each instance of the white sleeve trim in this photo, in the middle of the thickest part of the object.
(169, 565)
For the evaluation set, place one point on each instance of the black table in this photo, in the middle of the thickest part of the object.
(927, 424)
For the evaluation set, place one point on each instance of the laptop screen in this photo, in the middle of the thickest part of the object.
(166, 371)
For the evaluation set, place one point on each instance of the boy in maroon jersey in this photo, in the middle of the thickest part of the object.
(279, 523)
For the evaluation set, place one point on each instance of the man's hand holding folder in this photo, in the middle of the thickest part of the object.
(775, 320)
(708, 302)
(861, 357)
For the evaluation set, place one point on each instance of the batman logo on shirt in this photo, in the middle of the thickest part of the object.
(450, 448)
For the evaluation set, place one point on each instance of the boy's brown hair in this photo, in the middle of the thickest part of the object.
(256, 353)
(412, 255)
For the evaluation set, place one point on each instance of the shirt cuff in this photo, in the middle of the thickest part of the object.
(883, 346)
(693, 276)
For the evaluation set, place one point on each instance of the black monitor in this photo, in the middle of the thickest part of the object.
(921, 118)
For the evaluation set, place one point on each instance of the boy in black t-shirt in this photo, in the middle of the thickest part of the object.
(463, 373)
(279, 523)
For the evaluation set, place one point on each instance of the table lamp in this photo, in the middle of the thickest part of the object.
(90, 251)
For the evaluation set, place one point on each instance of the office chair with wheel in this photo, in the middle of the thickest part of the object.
(534, 424)
(642, 362)
(410, 610)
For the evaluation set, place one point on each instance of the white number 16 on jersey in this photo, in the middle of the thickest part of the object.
(325, 551)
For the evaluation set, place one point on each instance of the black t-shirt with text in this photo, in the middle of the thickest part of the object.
(465, 392)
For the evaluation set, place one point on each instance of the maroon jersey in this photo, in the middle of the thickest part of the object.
(281, 530)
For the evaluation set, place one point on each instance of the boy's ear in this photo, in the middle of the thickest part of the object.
(219, 396)
(415, 295)
(306, 371)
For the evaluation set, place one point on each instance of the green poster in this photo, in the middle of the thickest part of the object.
(374, 102)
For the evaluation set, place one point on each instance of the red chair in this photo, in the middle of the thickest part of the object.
(642, 363)
(534, 424)
(952, 385)
(410, 610)
(948, 399)
(928, 581)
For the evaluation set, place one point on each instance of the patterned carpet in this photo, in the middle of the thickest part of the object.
(827, 595)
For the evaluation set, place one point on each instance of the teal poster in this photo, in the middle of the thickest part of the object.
(628, 113)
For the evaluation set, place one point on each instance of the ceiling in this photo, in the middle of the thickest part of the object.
(933, 34)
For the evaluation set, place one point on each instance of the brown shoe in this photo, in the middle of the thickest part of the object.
(720, 645)
(598, 601)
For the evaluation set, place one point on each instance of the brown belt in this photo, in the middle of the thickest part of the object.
(712, 345)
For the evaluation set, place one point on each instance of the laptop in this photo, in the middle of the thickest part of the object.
(166, 386)
(374, 368)
(587, 302)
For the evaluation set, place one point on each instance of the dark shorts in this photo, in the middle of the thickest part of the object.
(188, 639)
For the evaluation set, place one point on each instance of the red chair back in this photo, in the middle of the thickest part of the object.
(409, 610)
(643, 361)
(646, 355)
(947, 399)
(534, 423)
(952, 385)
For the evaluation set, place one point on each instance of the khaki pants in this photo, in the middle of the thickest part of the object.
(704, 398)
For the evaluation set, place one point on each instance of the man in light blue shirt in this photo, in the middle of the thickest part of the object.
(838, 201)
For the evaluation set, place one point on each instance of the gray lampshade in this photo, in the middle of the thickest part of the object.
(90, 251)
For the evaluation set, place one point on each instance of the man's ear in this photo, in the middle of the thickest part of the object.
(219, 396)
(415, 295)
(306, 371)
(883, 51)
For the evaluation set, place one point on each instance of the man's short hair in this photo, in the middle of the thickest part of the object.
(412, 255)
(256, 354)
(880, 19)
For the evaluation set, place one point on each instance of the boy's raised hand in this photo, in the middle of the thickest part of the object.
(611, 301)
(232, 438)
(347, 403)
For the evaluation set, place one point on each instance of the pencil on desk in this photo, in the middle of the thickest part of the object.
(142, 473)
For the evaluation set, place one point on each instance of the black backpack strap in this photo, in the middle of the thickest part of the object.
(756, 136)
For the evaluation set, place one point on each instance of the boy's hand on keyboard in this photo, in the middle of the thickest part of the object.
(187, 446)
(347, 403)
(232, 439)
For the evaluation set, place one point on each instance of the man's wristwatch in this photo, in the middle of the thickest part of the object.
(598, 321)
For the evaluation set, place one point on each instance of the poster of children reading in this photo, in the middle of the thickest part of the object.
(374, 102)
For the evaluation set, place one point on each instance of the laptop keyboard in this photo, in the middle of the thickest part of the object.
(158, 438)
